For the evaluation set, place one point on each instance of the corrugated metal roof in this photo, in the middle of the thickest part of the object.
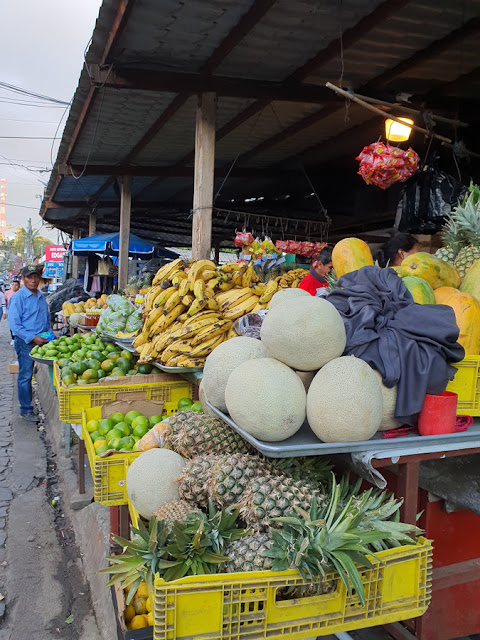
(178, 36)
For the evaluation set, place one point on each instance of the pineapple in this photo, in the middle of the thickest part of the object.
(176, 511)
(466, 219)
(224, 479)
(451, 239)
(193, 434)
(247, 554)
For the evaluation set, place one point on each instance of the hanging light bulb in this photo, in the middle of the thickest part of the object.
(397, 132)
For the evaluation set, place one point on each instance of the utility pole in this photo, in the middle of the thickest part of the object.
(29, 242)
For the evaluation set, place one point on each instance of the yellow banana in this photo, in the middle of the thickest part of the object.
(193, 329)
(168, 269)
(216, 329)
(150, 297)
(270, 290)
(295, 283)
(206, 347)
(188, 300)
(197, 268)
(208, 274)
(165, 295)
(183, 317)
(258, 288)
(201, 316)
(212, 304)
(172, 315)
(226, 286)
(247, 276)
(185, 347)
(239, 296)
(195, 307)
(184, 287)
(230, 267)
(237, 278)
(193, 363)
(138, 341)
(152, 317)
(176, 360)
(172, 302)
(177, 278)
(199, 290)
(145, 353)
(214, 282)
(170, 351)
(241, 309)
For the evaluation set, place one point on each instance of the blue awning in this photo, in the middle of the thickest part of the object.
(109, 243)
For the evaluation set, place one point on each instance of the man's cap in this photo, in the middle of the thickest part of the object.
(31, 269)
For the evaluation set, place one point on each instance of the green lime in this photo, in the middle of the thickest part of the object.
(95, 436)
(81, 382)
(117, 417)
(117, 372)
(105, 425)
(79, 368)
(114, 443)
(101, 449)
(144, 368)
(128, 355)
(127, 443)
(113, 433)
(90, 374)
(131, 415)
(69, 380)
(108, 365)
(92, 425)
(93, 363)
(154, 420)
(140, 430)
(197, 407)
(124, 428)
(184, 404)
(123, 363)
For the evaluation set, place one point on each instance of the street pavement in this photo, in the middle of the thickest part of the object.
(44, 593)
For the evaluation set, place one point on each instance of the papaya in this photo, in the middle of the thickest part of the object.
(471, 281)
(437, 273)
(421, 291)
(467, 316)
(349, 255)
(443, 292)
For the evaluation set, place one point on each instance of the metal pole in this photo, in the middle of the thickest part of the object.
(125, 210)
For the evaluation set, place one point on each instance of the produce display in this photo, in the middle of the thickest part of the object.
(238, 512)
(138, 612)
(70, 308)
(120, 432)
(191, 309)
(85, 359)
(120, 319)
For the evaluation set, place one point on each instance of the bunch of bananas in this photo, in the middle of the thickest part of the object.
(190, 309)
(291, 279)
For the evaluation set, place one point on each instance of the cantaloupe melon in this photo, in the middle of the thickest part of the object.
(389, 401)
(202, 397)
(266, 398)
(311, 334)
(344, 402)
(151, 480)
(287, 295)
(222, 361)
(306, 377)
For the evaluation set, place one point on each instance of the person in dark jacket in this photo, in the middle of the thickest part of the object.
(396, 249)
(319, 268)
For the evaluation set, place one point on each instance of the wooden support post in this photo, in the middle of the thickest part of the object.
(125, 210)
(204, 176)
(217, 253)
(75, 236)
(92, 224)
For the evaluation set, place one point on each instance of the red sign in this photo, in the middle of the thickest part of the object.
(54, 253)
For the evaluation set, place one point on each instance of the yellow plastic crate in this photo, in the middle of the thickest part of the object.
(73, 401)
(244, 606)
(109, 473)
(466, 385)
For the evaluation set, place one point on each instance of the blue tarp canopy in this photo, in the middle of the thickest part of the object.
(108, 244)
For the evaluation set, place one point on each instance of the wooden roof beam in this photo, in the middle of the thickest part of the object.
(173, 171)
(195, 83)
(433, 49)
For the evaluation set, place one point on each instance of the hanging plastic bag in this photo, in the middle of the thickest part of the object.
(427, 197)
(384, 165)
(243, 239)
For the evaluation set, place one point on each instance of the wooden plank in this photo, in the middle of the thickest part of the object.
(408, 489)
(204, 175)
(125, 211)
(76, 235)
(92, 223)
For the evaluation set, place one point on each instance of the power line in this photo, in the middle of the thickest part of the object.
(26, 138)
(32, 94)
(21, 206)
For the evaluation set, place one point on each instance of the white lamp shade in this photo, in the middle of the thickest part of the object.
(397, 132)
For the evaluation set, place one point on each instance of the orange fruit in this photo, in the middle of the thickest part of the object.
(138, 622)
(150, 619)
(139, 605)
(129, 613)
(148, 605)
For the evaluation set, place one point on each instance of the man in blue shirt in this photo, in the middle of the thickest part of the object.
(27, 316)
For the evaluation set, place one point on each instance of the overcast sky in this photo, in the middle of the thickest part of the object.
(41, 50)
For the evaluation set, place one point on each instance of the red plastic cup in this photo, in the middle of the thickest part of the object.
(438, 414)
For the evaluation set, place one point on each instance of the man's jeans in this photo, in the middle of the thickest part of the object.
(25, 373)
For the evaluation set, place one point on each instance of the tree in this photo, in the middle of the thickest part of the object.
(28, 242)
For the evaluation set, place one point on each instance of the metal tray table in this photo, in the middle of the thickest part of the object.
(306, 443)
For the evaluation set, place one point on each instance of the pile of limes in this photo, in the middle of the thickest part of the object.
(120, 431)
(86, 359)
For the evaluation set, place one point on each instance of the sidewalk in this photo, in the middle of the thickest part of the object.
(42, 575)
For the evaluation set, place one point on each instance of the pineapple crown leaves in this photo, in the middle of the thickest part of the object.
(173, 550)
(311, 469)
(339, 535)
